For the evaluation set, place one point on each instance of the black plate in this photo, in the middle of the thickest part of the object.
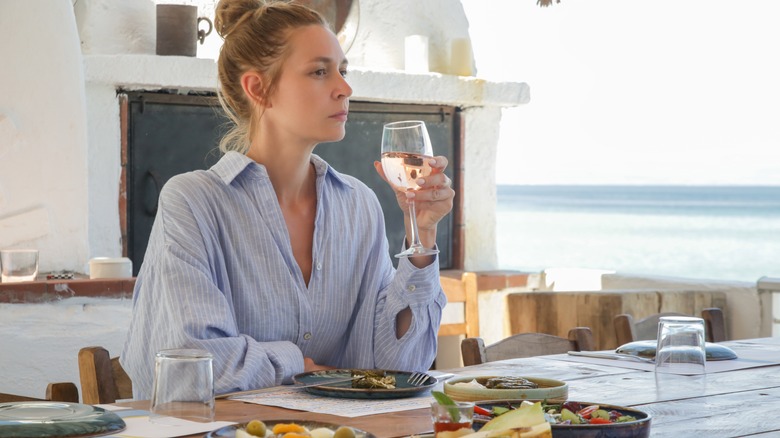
(631, 429)
(230, 431)
(345, 389)
(44, 419)
(647, 349)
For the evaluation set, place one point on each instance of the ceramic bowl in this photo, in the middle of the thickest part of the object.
(640, 428)
(110, 267)
(460, 389)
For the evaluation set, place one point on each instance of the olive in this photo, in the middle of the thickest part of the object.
(344, 432)
(256, 428)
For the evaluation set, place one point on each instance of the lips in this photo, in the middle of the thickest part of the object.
(341, 116)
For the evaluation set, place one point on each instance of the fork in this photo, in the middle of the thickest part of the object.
(418, 379)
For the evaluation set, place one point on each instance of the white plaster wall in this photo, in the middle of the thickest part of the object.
(43, 138)
(479, 192)
(385, 24)
(105, 166)
(111, 27)
(39, 343)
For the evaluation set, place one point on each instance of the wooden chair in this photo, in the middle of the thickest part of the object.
(626, 330)
(103, 380)
(63, 392)
(461, 287)
(475, 352)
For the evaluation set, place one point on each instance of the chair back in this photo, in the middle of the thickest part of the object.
(461, 287)
(103, 380)
(475, 352)
(62, 392)
(627, 330)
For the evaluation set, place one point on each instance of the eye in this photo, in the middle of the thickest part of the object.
(343, 72)
(320, 72)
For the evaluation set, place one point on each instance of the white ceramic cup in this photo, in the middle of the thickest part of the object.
(110, 267)
(18, 265)
(183, 386)
(681, 346)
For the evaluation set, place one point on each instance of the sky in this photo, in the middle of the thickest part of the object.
(635, 91)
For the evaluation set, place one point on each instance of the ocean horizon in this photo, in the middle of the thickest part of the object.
(701, 232)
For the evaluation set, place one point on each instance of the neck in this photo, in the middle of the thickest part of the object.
(289, 168)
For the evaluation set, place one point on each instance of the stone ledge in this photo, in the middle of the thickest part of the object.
(42, 291)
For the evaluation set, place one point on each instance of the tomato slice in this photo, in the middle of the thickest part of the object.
(599, 421)
(482, 411)
(585, 412)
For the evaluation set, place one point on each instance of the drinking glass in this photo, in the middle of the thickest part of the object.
(18, 265)
(450, 418)
(681, 346)
(183, 386)
(406, 150)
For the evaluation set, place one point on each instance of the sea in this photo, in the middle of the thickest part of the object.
(698, 232)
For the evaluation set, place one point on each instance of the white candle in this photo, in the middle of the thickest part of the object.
(461, 59)
(416, 54)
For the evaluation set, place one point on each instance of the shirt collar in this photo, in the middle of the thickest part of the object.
(233, 164)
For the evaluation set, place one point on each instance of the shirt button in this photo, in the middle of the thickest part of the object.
(319, 266)
(411, 288)
(307, 336)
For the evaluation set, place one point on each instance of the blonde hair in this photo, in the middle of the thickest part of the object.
(255, 34)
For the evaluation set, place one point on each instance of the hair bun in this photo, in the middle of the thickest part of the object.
(229, 14)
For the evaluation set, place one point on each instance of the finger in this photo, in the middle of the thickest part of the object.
(438, 163)
(435, 180)
(435, 194)
(380, 170)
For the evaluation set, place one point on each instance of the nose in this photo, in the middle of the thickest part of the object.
(342, 90)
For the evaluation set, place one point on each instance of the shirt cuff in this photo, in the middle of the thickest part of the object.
(286, 358)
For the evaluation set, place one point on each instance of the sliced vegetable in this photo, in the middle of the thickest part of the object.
(587, 411)
(482, 411)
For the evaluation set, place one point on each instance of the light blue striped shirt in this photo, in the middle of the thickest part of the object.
(219, 274)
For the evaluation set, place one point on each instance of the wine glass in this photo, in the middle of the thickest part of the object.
(406, 150)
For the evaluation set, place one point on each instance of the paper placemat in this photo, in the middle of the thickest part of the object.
(749, 355)
(344, 407)
(139, 426)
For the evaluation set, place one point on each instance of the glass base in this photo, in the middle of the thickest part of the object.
(418, 251)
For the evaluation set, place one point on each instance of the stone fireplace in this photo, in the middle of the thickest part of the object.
(104, 51)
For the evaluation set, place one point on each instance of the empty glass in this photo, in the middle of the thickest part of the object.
(183, 386)
(681, 346)
(19, 265)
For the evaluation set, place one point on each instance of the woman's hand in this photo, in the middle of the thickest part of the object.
(309, 366)
(433, 200)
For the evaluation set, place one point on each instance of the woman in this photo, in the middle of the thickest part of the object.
(271, 260)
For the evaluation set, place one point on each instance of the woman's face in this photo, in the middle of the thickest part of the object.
(311, 99)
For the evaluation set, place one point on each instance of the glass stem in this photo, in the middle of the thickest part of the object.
(413, 218)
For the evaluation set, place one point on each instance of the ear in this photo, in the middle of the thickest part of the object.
(253, 84)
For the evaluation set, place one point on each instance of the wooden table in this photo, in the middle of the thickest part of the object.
(726, 404)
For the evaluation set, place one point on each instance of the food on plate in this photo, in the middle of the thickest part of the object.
(575, 413)
(257, 428)
(527, 421)
(373, 380)
(507, 383)
(570, 412)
